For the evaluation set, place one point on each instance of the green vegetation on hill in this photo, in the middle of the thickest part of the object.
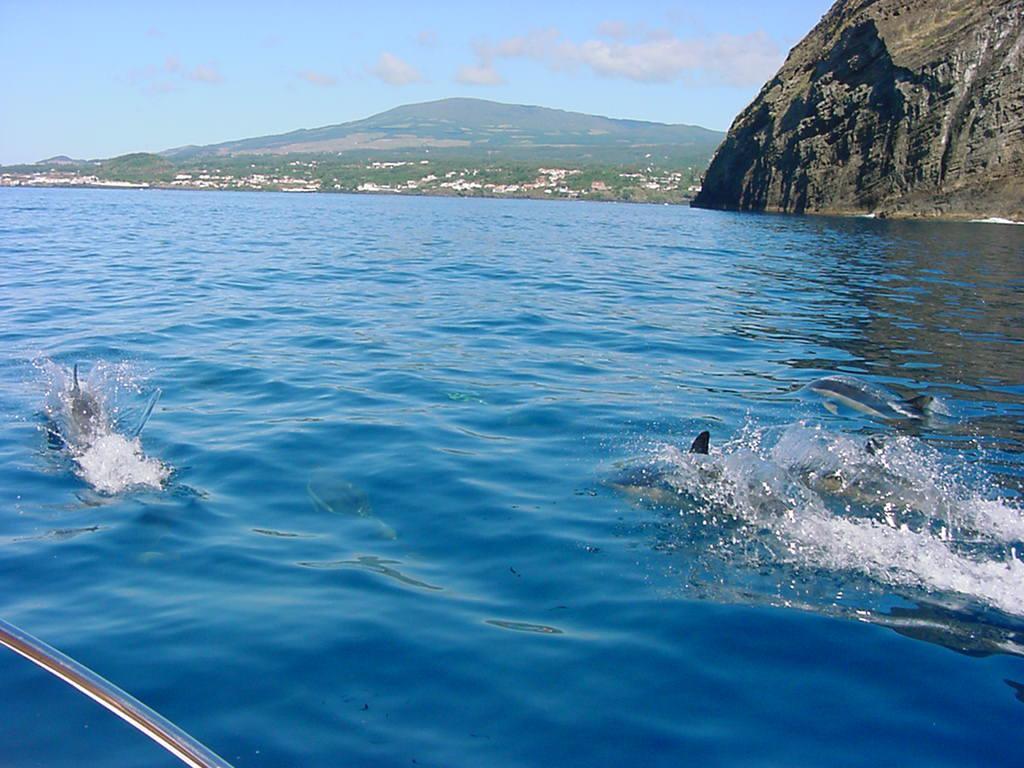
(466, 147)
(138, 167)
(479, 130)
(649, 182)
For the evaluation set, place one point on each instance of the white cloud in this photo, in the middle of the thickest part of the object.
(317, 78)
(205, 73)
(172, 75)
(744, 59)
(479, 74)
(535, 45)
(142, 76)
(616, 30)
(652, 61)
(659, 57)
(394, 71)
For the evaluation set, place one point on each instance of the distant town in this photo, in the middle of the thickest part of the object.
(643, 183)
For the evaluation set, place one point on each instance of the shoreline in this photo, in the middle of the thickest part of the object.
(146, 187)
(958, 218)
(950, 217)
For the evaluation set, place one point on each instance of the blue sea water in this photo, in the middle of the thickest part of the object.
(379, 514)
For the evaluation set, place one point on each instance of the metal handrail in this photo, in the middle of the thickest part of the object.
(131, 710)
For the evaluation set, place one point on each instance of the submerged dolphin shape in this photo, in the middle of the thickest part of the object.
(869, 399)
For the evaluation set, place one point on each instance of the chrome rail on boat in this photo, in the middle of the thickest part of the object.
(158, 728)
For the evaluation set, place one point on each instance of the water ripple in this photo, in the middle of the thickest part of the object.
(450, 385)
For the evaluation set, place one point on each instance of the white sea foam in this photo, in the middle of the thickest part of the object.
(113, 463)
(896, 512)
(996, 518)
(995, 220)
(903, 558)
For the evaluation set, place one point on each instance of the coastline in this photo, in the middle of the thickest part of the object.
(962, 217)
(476, 194)
(955, 218)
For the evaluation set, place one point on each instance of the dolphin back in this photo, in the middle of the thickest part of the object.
(920, 404)
(84, 414)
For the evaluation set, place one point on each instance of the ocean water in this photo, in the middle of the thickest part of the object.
(415, 487)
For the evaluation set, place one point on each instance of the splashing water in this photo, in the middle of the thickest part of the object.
(823, 512)
(114, 463)
(107, 456)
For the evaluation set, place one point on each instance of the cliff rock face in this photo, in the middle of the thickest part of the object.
(896, 107)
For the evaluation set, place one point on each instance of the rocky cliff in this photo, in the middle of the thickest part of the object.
(894, 107)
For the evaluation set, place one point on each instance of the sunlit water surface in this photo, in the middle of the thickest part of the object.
(417, 487)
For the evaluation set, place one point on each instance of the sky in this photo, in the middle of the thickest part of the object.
(98, 79)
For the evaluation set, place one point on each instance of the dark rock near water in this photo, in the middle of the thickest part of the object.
(893, 107)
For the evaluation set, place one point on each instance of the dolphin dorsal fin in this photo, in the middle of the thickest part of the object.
(701, 443)
(74, 375)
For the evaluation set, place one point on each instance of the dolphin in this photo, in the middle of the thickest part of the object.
(679, 480)
(83, 418)
(329, 493)
(86, 419)
(869, 399)
(654, 484)
(959, 631)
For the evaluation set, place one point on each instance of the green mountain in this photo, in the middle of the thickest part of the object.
(479, 129)
(138, 166)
